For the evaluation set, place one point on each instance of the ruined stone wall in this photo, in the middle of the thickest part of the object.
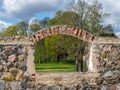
(14, 39)
(14, 59)
(106, 59)
(17, 67)
(106, 54)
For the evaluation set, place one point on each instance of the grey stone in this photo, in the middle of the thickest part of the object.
(86, 87)
(23, 68)
(22, 64)
(114, 62)
(99, 80)
(62, 87)
(104, 87)
(43, 88)
(73, 88)
(115, 76)
(30, 84)
(15, 85)
(26, 78)
(54, 87)
(106, 59)
(8, 87)
(4, 56)
(2, 85)
(108, 74)
(16, 64)
(1, 68)
(30, 89)
(0, 74)
(23, 85)
(70, 88)
(118, 86)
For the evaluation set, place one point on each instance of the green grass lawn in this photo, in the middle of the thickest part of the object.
(54, 67)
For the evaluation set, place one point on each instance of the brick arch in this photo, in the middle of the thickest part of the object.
(65, 30)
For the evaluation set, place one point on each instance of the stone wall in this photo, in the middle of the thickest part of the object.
(17, 68)
(106, 56)
(15, 54)
(13, 65)
(106, 61)
(14, 39)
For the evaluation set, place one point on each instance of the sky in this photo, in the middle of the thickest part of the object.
(14, 11)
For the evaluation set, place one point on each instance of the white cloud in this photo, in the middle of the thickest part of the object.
(112, 7)
(28, 8)
(117, 34)
(4, 25)
(33, 21)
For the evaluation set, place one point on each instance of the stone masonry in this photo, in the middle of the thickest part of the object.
(17, 67)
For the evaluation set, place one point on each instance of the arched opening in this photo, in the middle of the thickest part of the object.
(65, 30)
(60, 53)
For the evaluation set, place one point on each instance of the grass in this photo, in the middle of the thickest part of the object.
(54, 67)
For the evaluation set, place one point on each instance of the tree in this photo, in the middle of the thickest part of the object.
(56, 20)
(81, 8)
(39, 53)
(22, 28)
(64, 18)
(90, 16)
(70, 18)
(35, 24)
(34, 27)
(18, 29)
(10, 31)
(44, 23)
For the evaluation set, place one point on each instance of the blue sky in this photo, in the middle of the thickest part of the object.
(13, 11)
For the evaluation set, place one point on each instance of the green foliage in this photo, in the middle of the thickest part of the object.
(58, 47)
(44, 23)
(22, 28)
(39, 24)
(17, 29)
(39, 52)
(34, 27)
(10, 31)
(108, 35)
(64, 18)
(91, 16)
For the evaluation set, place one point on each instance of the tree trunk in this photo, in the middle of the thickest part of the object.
(78, 65)
(81, 65)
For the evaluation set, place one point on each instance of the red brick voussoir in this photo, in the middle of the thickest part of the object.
(67, 30)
